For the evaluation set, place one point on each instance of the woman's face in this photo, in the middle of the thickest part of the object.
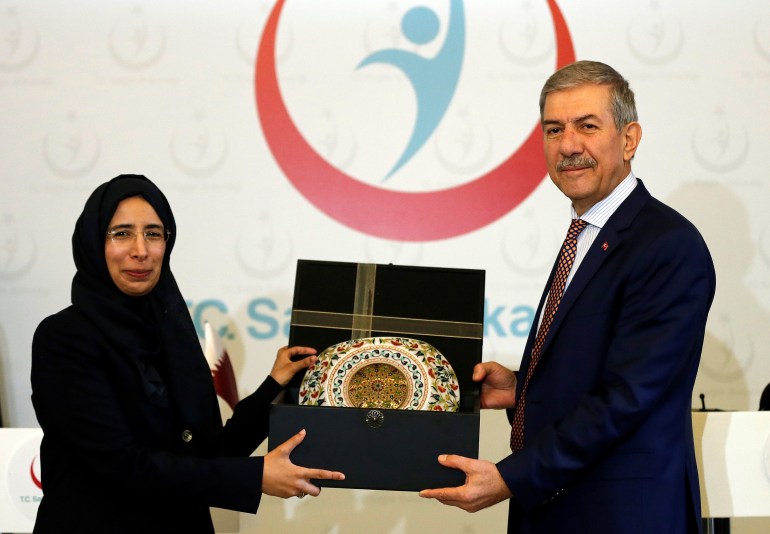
(133, 260)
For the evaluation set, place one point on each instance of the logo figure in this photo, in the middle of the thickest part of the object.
(134, 42)
(17, 249)
(654, 37)
(19, 44)
(71, 149)
(717, 146)
(404, 216)
(199, 148)
(434, 80)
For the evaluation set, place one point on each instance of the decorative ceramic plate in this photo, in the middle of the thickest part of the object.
(380, 372)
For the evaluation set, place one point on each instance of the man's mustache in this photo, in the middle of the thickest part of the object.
(576, 161)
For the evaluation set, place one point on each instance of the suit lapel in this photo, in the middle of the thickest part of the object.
(607, 241)
(527, 356)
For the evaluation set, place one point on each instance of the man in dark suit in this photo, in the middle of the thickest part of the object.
(601, 409)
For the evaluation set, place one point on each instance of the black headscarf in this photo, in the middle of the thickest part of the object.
(154, 330)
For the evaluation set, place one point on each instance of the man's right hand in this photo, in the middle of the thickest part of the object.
(498, 385)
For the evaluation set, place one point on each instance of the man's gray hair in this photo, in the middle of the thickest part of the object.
(622, 104)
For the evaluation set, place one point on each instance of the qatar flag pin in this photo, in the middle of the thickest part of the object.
(605, 246)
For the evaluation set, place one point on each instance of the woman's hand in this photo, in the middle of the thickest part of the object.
(284, 368)
(281, 478)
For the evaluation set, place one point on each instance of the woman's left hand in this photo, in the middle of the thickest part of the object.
(284, 368)
(281, 478)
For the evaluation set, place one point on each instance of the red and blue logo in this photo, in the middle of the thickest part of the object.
(404, 215)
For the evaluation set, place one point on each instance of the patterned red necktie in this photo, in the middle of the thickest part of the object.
(566, 259)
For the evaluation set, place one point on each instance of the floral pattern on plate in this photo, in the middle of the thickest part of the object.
(382, 372)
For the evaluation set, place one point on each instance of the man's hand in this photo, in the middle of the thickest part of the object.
(483, 486)
(498, 385)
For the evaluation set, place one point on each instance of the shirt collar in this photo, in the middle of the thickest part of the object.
(600, 212)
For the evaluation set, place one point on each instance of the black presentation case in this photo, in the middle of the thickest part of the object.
(399, 450)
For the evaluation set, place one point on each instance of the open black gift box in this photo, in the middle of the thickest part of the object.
(385, 449)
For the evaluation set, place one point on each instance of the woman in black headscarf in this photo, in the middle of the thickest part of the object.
(133, 440)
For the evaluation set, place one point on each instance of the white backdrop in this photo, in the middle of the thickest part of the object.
(91, 89)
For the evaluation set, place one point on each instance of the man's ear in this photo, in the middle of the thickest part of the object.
(632, 133)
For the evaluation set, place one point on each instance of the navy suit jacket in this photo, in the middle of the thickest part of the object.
(608, 430)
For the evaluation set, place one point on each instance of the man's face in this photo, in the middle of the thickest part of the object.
(586, 155)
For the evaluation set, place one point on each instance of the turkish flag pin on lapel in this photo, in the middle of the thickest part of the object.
(605, 246)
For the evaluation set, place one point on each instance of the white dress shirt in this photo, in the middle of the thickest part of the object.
(596, 217)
